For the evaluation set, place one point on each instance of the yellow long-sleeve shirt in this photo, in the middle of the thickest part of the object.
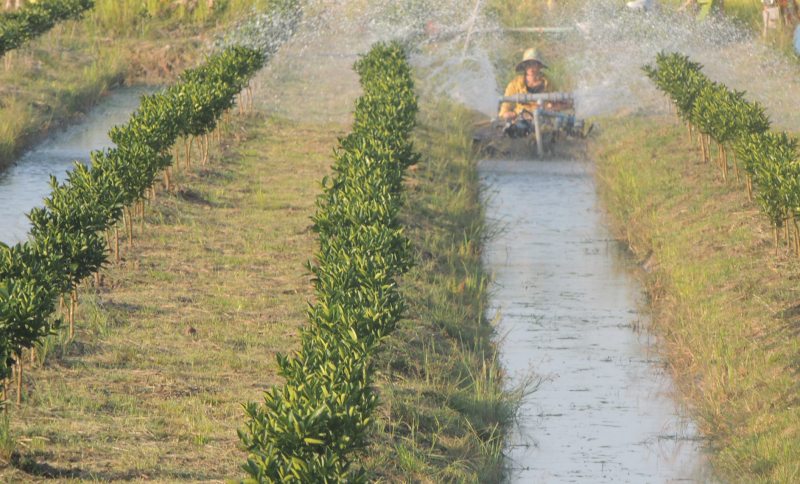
(517, 86)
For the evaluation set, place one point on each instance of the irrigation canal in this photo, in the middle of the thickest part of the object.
(567, 308)
(25, 184)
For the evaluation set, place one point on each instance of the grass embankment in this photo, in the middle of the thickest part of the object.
(186, 327)
(59, 76)
(725, 305)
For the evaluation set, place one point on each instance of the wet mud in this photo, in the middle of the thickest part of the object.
(566, 304)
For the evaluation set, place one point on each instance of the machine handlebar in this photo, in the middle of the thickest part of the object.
(551, 97)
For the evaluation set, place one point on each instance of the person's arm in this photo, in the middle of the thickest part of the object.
(507, 109)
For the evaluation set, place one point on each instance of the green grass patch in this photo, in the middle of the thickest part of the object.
(723, 302)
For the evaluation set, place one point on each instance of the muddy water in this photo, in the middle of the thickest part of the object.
(567, 306)
(25, 184)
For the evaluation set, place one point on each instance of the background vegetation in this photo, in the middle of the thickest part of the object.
(57, 77)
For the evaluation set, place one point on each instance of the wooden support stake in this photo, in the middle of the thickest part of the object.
(130, 228)
(72, 306)
(776, 240)
(19, 378)
(786, 233)
(796, 236)
(723, 161)
(749, 188)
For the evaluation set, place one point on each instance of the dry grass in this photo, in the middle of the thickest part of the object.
(724, 303)
(186, 327)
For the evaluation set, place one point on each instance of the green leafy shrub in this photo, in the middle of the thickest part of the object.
(768, 159)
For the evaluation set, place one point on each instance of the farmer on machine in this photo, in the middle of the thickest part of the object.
(531, 82)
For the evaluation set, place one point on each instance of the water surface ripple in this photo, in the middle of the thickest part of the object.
(25, 184)
(567, 308)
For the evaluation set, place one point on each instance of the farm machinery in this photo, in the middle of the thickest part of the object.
(547, 119)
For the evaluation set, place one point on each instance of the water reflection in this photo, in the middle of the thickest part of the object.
(26, 184)
(605, 413)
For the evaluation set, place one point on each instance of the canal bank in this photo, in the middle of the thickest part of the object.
(722, 302)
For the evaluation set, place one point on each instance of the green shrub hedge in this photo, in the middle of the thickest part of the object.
(769, 159)
(308, 429)
(68, 235)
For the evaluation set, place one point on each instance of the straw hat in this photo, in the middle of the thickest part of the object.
(530, 55)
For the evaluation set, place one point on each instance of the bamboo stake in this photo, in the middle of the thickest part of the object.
(786, 232)
(166, 178)
(702, 149)
(796, 236)
(19, 378)
(74, 312)
(749, 188)
(724, 161)
(116, 241)
(776, 240)
(71, 316)
(735, 165)
(188, 152)
(130, 228)
(703, 146)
